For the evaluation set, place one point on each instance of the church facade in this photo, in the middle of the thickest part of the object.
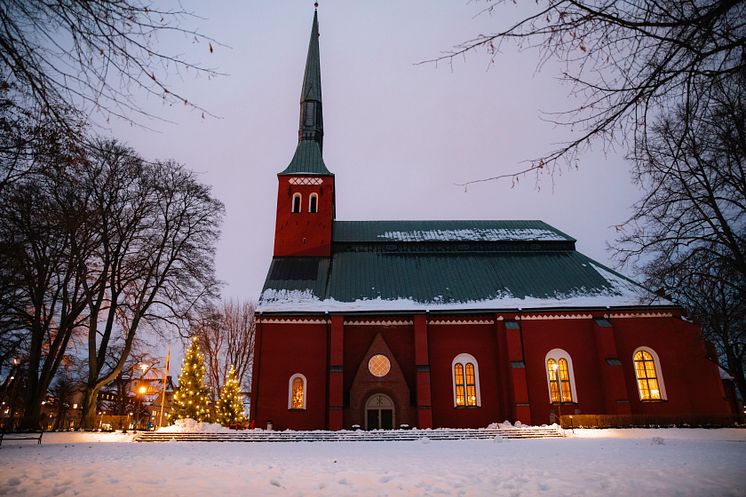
(384, 324)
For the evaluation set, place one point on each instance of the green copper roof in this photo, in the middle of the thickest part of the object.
(307, 160)
(312, 75)
(534, 267)
(311, 125)
(308, 154)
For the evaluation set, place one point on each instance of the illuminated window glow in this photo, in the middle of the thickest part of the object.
(466, 381)
(560, 377)
(379, 365)
(297, 392)
(647, 372)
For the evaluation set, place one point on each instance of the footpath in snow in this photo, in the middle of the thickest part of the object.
(661, 462)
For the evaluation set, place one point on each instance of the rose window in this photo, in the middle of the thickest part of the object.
(379, 365)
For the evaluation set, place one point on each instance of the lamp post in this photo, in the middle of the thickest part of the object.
(141, 391)
(555, 367)
(127, 425)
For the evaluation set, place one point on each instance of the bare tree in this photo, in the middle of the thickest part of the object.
(721, 311)
(96, 56)
(688, 233)
(65, 386)
(159, 227)
(101, 247)
(226, 336)
(45, 236)
(121, 390)
(30, 143)
(626, 61)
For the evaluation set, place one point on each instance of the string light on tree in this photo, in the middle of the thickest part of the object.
(230, 405)
(192, 399)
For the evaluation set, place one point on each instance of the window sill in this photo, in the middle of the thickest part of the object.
(467, 407)
(653, 401)
(297, 409)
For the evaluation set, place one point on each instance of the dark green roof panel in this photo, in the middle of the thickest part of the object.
(307, 160)
(298, 274)
(400, 266)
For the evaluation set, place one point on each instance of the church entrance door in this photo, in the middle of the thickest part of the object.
(379, 412)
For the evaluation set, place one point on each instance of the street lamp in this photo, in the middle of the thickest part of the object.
(142, 391)
(555, 367)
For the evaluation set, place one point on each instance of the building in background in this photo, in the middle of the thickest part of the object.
(382, 324)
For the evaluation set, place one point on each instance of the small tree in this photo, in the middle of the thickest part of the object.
(230, 406)
(192, 398)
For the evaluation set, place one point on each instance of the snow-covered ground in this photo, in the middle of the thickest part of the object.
(663, 462)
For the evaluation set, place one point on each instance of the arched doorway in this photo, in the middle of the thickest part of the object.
(379, 412)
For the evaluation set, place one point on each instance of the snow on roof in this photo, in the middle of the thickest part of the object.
(472, 234)
(620, 293)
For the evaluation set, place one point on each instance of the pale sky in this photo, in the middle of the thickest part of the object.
(398, 136)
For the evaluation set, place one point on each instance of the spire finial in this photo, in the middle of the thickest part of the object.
(315, 5)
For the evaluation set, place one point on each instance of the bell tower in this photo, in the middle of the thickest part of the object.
(305, 196)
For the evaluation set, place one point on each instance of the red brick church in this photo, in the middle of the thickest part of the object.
(454, 323)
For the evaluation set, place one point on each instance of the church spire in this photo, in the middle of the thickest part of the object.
(311, 120)
(308, 158)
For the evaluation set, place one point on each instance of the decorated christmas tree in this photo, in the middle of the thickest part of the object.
(192, 399)
(230, 405)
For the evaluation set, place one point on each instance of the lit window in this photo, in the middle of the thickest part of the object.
(458, 372)
(297, 392)
(560, 377)
(465, 381)
(296, 202)
(379, 365)
(313, 203)
(649, 378)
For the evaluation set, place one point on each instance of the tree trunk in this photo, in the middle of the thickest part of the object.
(31, 419)
(735, 367)
(88, 420)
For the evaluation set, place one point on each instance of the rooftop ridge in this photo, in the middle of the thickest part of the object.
(409, 231)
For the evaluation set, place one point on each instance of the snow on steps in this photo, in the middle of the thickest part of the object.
(352, 436)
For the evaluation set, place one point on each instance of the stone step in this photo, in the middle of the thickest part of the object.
(352, 436)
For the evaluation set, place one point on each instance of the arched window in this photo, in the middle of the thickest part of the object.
(648, 373)
(297, 392)
(560, 377)
(466, 391)
(313, 203)
(296, 202)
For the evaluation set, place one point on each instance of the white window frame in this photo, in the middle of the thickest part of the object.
(310, 198)
(300, 203)
(464, 359)
(658, 373)
(290, 392)
(558, 354)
